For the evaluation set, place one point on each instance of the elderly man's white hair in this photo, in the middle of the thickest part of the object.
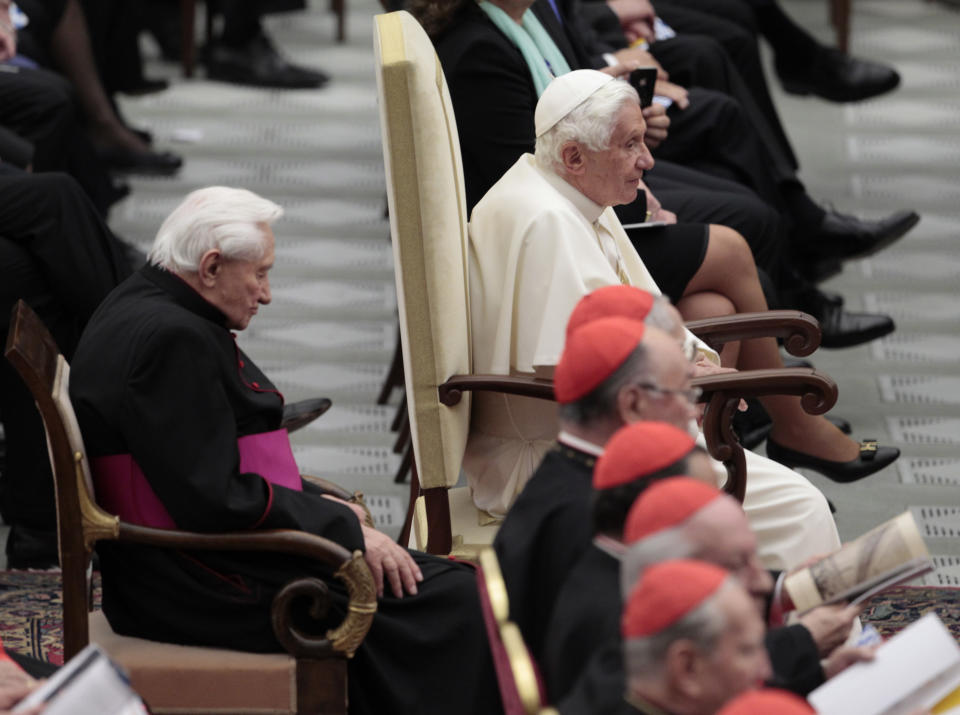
(591, 123)
(666, 545)
(644, 658)
(214, 217)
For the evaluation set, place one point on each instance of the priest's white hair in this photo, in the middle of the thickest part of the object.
(220, 217)
(590, 123)
(644, 658)
(665, 545)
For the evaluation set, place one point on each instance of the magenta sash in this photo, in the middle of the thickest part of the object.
(122, 489)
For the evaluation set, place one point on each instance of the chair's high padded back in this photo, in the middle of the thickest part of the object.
(428, 223)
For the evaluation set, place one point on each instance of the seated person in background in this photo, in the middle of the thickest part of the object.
(692, 640)
(543, 237)
(184, 432)
(60, 258)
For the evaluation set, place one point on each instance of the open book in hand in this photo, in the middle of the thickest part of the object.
(891, 553)
(916, 670)
(90, 684)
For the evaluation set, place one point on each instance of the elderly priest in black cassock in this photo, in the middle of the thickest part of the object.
(184, 432)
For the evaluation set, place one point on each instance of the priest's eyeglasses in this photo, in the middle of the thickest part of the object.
(692, 394)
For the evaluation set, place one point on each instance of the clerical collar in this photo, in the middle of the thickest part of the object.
(583, 445)
(183, 293)
(611, 547)
(591, 211)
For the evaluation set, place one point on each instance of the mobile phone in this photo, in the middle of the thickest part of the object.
(643, 80)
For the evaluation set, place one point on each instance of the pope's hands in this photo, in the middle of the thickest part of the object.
(390, 562)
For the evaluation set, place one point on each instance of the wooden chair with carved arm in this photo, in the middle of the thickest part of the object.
(310, 678)
(428, 224)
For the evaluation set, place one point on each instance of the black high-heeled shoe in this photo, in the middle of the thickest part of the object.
(872, 458)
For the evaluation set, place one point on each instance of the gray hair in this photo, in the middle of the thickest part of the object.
(660, 317)
(601, 403)
(590, 123)
(213, 217)
(665, 545)
(645, 657)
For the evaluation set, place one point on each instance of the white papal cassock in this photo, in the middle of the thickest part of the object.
(537, 246)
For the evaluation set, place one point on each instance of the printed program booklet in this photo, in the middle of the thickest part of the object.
(891, 553)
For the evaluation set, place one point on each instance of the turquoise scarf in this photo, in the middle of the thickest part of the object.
(540, 52)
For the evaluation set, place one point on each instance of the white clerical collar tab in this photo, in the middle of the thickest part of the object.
(564, 94)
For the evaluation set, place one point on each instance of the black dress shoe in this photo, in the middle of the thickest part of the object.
(844, 236)
(153, 163)
(838, 77)
(259, 64)
(145, 86)
(300, 414)
(840, 328)
(872, 459)
(29, 548)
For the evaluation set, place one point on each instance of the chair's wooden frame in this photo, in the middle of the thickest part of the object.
(321, 663)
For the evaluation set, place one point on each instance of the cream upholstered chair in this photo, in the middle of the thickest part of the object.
(311, 678)
(428, 225)
(428, 222)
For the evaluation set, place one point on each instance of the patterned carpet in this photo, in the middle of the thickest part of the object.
(32, 622)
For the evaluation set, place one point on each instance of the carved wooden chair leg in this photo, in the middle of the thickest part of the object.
(403, 435)
(394, 376)
(405, 464)
(188, 46)
(404, 537)
(401, 416)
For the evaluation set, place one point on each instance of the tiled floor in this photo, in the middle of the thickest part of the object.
(898, 151)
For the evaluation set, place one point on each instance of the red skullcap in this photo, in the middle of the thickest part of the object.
(768, 702)
(666, 504)
(640, 449)
(592, 354)
(665, 593)
(611, 301)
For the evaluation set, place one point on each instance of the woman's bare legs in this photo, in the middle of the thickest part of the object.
(728, 268)
(70, 47)
(707, 304)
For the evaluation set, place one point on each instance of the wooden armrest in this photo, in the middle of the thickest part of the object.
(817, 392)
(722, 393)
(349, 567)
(451, 391)
(800, 332)
(300, 414)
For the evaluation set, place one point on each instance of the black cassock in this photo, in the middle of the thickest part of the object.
(543, 535)
(583, 664)
(157, 375)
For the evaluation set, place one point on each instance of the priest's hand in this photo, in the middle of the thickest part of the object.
(678, 94)
(390, 562)
(637, 57)
(830, 625)
(843, 658)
